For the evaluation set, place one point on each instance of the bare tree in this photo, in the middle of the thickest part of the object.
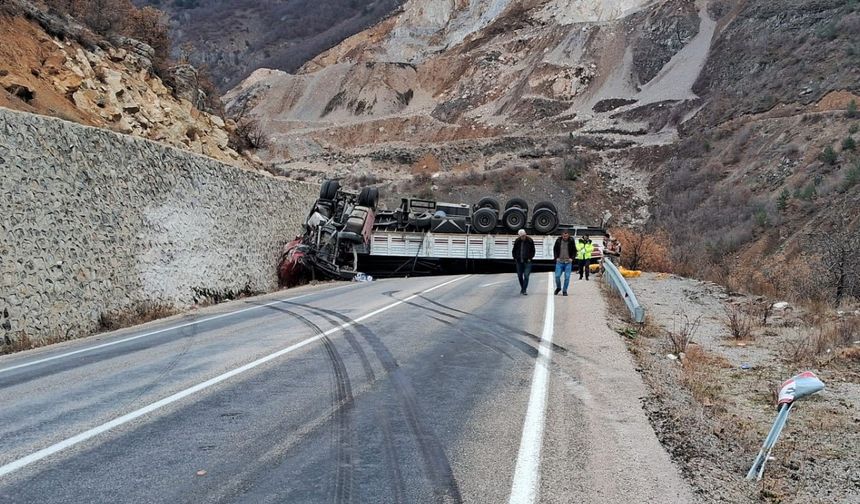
(249, 133)
(840, 263)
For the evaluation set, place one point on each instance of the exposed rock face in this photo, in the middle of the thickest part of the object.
(97, 223)
(463, 76)
(109, 86)
(708, 118)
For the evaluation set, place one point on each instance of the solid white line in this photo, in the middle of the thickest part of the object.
(166, 329)
(95, 431)
(526, 483)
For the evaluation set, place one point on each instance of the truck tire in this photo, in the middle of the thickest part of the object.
(485, 219)
(514, 219)
(423, 221)
(517, 203)
(546, 204)
(329, 189)
(545, 221)
(363, 197)
(374, 198)
(488, 202)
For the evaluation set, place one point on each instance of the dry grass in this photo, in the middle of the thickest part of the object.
(23, 342)
(140, 313)
(699, 368)
(825, 342)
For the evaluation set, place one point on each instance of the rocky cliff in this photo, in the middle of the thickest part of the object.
(51, 65)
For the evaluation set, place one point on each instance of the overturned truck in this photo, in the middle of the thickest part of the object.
(346, 232)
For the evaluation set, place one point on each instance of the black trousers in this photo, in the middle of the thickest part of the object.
(583, 268)
(524, 269)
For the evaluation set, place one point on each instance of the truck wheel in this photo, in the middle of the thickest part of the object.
(484, 220)
(368, 197)
(488, 202)
(546, 204)
(514, 219)
(517, 203)
(329, 189)
(374, 198)
(363, 197)
(545, 221)
(423, 221)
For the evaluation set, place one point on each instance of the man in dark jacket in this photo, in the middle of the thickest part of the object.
(564, 251)
(523, 253)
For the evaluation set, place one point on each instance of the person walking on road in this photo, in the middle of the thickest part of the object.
(563, 252)
(523, 253)
(584, 248)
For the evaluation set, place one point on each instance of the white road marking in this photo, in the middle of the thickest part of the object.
(494, 283)
(95, 431)
(166, 329)
(526, 484)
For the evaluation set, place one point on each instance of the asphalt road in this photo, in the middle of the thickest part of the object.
(445, 389)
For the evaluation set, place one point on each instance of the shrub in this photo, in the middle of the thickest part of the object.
(573, 166)
(642, 250)
(249, 133)
(782, 200)
(852, 177)
(849, 144)
(761, 218)
(828, 156)
(808, 193)
(683, 331)
(738, 321)
(853, 129)
(851, 110)
(827, 31)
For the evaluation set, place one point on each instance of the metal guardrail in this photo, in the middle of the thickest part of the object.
(614, 277)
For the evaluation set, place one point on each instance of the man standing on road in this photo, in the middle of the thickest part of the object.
(584, 248)
(563, 252)
(523, 253)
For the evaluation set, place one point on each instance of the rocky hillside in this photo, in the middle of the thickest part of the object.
(233, 38)
(721, 109)
(51, 65)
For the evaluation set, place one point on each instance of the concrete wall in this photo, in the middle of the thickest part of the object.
(94, 223)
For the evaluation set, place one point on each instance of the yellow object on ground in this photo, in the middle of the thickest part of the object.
(594, 268)
(626, 273)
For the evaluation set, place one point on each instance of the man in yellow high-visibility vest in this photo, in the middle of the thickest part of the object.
(584, 248)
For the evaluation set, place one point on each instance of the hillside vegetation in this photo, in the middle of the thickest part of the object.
(728, 127)
(232, 38)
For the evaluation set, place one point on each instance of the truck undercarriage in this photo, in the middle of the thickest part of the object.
(346, 232)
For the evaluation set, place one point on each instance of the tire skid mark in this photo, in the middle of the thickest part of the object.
(383, 421)
(473, 337)
(341, 406)
(482, 327)
(516, 330)
(436, 464)
(170, 366)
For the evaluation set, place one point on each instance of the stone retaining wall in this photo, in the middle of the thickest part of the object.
(94, 223)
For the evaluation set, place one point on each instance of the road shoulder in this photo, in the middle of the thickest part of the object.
(595, 388)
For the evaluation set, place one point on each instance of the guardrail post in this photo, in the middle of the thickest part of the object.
(616, 279)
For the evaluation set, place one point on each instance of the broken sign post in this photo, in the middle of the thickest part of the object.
(795, 388)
